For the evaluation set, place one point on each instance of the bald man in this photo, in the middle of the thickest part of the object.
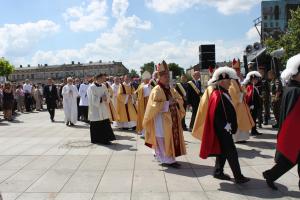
(193, 95)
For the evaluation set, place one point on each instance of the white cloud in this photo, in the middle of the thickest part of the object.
(110, 45)
(253, 35)
(119, 7)
(90, 17)
(226, 7)
(19, 39)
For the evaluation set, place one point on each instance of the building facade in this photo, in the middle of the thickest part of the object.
(40, 73)
(275, 15)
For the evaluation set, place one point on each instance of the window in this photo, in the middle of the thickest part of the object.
(265, 17)
(266, 25)
(271, 24)
(32, 76)
(276, 24)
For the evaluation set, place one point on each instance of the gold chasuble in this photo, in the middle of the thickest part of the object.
(201, 113)
(141, 106)
(125, 104)
(244, 118)
(171, 121)
(110, 105)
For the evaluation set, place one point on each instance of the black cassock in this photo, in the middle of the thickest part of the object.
(290, 100)
(101, 132)
(225, 114)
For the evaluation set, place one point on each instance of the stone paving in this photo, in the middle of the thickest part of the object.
(40, 160)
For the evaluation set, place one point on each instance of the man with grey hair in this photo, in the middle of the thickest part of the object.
(70, 94)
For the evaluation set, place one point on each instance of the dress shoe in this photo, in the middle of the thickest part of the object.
(71, 124)
(242, 180)
(173, 165)
(255, 133)
(222, 176)
(269, 182)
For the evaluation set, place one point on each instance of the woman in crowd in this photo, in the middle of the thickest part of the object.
(8, 101)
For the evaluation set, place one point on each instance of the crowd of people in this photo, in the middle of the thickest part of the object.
(228, 111)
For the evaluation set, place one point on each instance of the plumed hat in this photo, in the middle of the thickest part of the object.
(250, 76)
(292, 68)
(222, 73)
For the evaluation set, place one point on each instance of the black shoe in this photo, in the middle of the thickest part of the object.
(173, 165)
(266, 123)
(222, 176)
(275, 125)
(106, 143)
(52, 120)
(185, 128)
(241, 142)
(68, 123)
(242, 180)
(259, 126)
(71, 124)
(269, 182)
(255, 133)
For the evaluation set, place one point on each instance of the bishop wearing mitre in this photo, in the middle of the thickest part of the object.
(162, 120)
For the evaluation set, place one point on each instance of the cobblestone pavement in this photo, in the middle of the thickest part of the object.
(40, 160)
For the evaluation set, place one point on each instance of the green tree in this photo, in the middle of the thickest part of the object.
(5, 68)
(148, 67)
(176, 69)
(290, 41)
(133, 73)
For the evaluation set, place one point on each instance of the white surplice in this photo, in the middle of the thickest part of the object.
(70, 94)
(83, 94)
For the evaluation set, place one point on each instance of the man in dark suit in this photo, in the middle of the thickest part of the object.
(193, 95)
(51, 96)
(181, 88)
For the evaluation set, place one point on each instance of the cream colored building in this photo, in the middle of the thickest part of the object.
(40, 73)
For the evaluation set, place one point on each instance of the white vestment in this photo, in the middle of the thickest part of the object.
(70, 94)
(97, 107)
(83, 94)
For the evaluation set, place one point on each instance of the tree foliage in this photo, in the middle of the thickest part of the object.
(290, 41)
(176, 69)
(5, 67)
(148, 67)
(133, 73)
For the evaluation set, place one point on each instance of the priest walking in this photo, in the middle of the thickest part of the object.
(70, 94)
(162, 120)
(100, 129)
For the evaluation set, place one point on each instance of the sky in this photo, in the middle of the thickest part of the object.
(131, 31)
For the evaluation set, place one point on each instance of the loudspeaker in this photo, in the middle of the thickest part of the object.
(207, 56)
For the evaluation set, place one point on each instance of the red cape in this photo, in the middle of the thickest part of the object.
(249, 95)
(288, 141)
(210, 143)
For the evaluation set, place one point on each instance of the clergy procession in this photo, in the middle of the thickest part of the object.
(225, 111)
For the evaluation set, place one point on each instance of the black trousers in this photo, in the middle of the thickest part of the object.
(254, 114)
(84, 110)
(183, 119)
(28, 102)
(51, 109)
(230, 154)
(194, 113)
(78, 109)
(282, 166)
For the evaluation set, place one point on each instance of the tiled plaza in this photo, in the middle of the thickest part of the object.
(40, 160)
